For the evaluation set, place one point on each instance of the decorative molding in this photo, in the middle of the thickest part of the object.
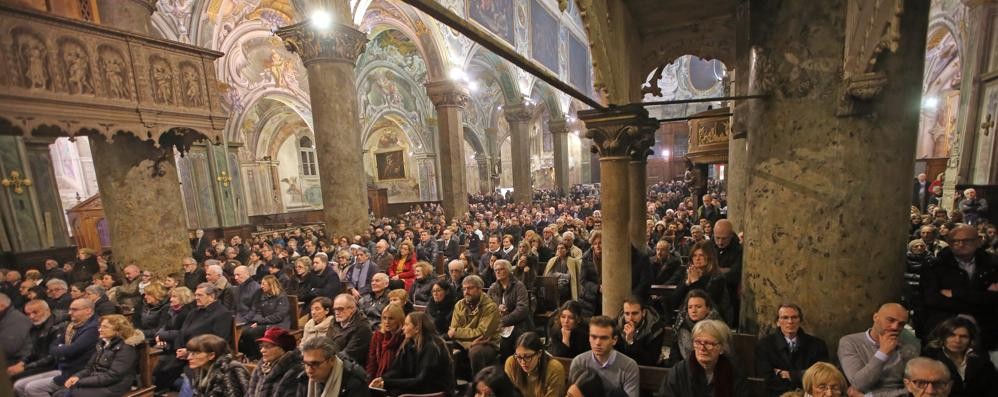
(447, 93)
(559, 126)
(871, 27)
(517, 113)
(340, 43)
(67, 77)
(620, 131)
(710, 134)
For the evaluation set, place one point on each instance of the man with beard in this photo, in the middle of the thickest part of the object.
(475, 324)
(873, 360)
(44, 328)
(642, 333)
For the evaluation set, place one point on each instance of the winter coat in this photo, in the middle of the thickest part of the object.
(150, 318)
(312, 329)
(104, 306)
(980, 377)
(579, 339)
(353, 339)
(72, 357)
(15, 327)
(245, 295)
(128, 292)
(688, 380)
(682, 345)
(716, 286)
(441, 312)
(42, 335)
(302, 287)
(353, 382)
(517, 302)
(174, 321)
(407, 273)
(326, 283)
(970, 296)
(214, 319)
(281, 380)
(270, 311)
(772, 351)
(226, 377)
(371, 306)
(422, 289)
(429, 370)
(485, 324)
(646, 349)
(384, 348)
(111, 370)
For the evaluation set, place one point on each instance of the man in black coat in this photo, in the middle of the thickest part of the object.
(783, 356)
(208, 317)
(44, 328)
(426, 248)
(642, 333)
(53, 270)
(327, 280)
(193, 274)
(322, 363)
(350, 331)
(70, 357)
(963, 280)
(729, 259)
(449, 249)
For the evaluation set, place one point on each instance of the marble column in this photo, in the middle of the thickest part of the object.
(617, 134)
(450, 98)
(737, 173)
(329, 56)
(812, 173)
(131, 15)
(484, 173)
(637, 179)
(519, 116)
(140, 191)
(559, 132)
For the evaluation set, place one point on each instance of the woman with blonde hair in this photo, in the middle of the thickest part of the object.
(385, 341)
(270, 309)
(824, 380)
(153, 311)
(400, 297)
(112, 368)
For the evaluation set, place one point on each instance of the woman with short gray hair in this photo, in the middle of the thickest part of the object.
(514, 307)
(710, 372)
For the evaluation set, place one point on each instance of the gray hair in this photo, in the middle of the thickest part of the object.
(214, 268)
(55, 282)
(474, 281)
(697, 228)
(87, 304)
(319, 343)
(505, 263)
(380, 276)
(95, 289)
(190, 260)
(322, 257)
(209, 289)
(366, 251)
(715, 329)
(453, 263)
(348, 298)
(4, 300)
(927, 363)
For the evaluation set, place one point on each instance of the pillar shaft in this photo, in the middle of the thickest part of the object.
(559, 132)
(450, 98)
(737, 173)
(807, 185)
(518, 117)
(484, 173)
(140, 192)
(329, 57)
(617, 135)
(637, 177)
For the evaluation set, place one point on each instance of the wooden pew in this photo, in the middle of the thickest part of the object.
(146, 363)
(419, 308)
(548, 299)
(293, 312)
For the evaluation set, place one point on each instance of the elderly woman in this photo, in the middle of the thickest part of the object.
(567, 268)
(710, 372)
(423, 364)
(703, 273)
(951, 343)
(515, 316)
(303, 281)
(533, 371)
(441, 306)
(321, 310)
(386, 341)
(822, 380)
(568, 336)
(112, 368)
(402, 268)
(422, 286)
(270, 309)
(153, 312)
(216, 372)
(280, 366)
(699, 307)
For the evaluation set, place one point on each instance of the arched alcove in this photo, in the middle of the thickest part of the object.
(940, 94)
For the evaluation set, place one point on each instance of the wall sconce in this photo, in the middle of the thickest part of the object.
(16, 181)
(224, 178)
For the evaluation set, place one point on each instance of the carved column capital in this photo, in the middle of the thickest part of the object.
(340, 43)
(517, 113)
(620, 131)
(447, 93)
(559, 126)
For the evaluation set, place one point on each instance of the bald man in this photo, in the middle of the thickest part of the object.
(874, 360)
(729, 259)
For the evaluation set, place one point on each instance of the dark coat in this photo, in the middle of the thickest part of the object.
(429, 370)
(104, 306)
(229, 378)
(969, 296)
(427, 251)
(647, 346)
(150, 318)
(687, 379)
(517, 303)
(281, 381)
(449, 249)
(174, 321)
(715, 285)
(422, 289)
(981, 378)
(270, 311)
(192, 279)
(214, 319)
(42, 337)
(352, 340)
(579, 340)
(111, 370)
(326, 283)
(302, 287)
(772, 352)
(353, 383)
(246, 295)
(15, 327)
(72, 357)
(60, 305)
(441, 312)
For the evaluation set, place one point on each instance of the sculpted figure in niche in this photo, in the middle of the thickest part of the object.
(78, 69)
(162, 77)
(32, 58)
(114, 74)
(192, 87)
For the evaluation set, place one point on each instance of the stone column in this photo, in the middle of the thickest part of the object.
(617, 134)
(559, 131)
(449, 98)
(518, 116)
(637, 179)
(140, 191)
(131, 15)
(484, 173)
(811, 172)
(737, 173)
(329, 56)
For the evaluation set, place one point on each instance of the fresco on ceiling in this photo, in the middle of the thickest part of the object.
(384, 88)
(388, 164)
(678, 82)
(495, 15)
(543, 36)
(941, 93)
(265, 61)
(228, 14)
(396, 48)
(579, 65)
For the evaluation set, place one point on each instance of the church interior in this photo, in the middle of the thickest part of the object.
(137, 128)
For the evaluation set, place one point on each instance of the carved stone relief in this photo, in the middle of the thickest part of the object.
(115, 72)
(871, 28)
(161, 76)
(191, 79)
(76, 66)
(32, 60)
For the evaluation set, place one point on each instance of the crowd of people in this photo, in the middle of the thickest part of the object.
(505, 300)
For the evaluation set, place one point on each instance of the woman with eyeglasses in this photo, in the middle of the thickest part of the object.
(441, 306)
(216, 372)
(533, 371)
(952, 342)
(423, 364)
(710, 372)
(111, 369)
(821, 380)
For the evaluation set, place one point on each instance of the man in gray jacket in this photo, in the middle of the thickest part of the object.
(873, 361)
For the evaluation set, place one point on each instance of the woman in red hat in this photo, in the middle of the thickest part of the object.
(280, 365)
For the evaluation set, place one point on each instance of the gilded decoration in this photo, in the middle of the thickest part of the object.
(341, 43)
(709, 136)
(620, 131)
(73, 77)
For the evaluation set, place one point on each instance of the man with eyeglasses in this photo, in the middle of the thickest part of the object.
(873, 360)
(475, 324)
(925, 377)
(782, 357)
(359, 275)
(350, 332)
(326, 374)
(963, 280)
(58, 296)
(209, 316)
(71, 349)
(617, 371)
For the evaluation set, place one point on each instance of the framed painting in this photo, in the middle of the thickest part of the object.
(578, 64)
(544, 36)
(494, 15)
(391, 165)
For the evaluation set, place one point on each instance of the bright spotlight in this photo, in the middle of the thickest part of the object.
(321, 19)
(665, 154)
(472, 86)
(457, 74)
(930, 102)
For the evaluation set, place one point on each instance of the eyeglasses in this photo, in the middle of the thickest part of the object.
(924, 384)
(525, 357)
(314, 364)
(705, 344)
(339, 309)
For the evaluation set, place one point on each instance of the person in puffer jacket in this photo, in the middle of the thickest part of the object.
(112, 369)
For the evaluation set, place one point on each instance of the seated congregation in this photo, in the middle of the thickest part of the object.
(504, 301)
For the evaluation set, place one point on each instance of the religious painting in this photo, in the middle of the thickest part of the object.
(543, 36)
(494, 15)
(578, 64)
(391, 165)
